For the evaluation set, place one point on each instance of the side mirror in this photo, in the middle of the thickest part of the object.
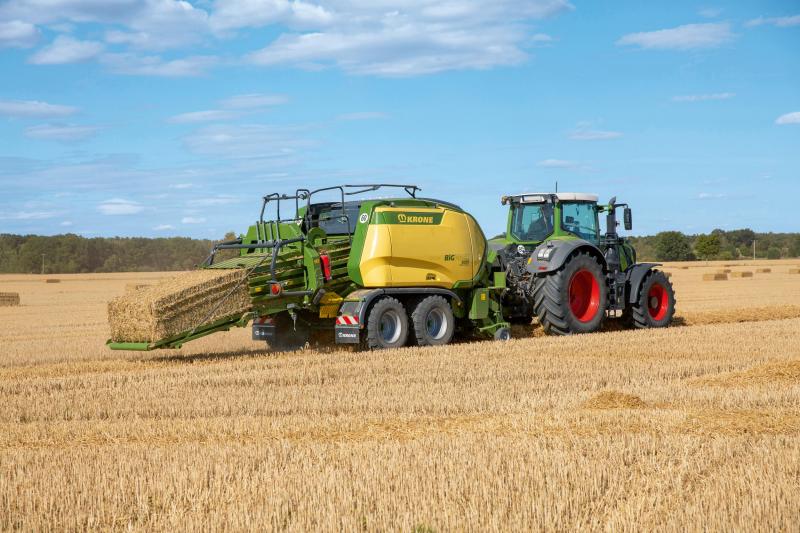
(628, 218)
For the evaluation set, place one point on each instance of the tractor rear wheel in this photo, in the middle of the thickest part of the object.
(573, 298)
(433, 321)
(387, 324)
(655, 306)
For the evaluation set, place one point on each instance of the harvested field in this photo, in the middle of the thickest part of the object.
(763, 270)
(692, 427)
(794, 271)
(130, 287)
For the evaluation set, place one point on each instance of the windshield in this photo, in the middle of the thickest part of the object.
(532, 222)
(334, 222)
(580, 218)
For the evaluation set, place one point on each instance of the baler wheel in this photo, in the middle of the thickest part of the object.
(572, 299)
(387, 324)
(433, 321)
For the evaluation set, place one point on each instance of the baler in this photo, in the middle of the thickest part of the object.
(376, 272)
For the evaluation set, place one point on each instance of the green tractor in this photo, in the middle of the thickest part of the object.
(561, 269)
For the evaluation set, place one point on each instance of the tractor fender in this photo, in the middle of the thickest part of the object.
(551, 255)
(357, 303)
(634, 276)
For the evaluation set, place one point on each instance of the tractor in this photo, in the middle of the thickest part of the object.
(561, 269)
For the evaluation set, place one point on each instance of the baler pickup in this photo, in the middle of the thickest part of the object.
(176, 341)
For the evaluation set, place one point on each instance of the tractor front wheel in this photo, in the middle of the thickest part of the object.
(573, 298)
(655, 306)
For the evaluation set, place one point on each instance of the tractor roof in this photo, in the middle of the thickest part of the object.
(536, 197)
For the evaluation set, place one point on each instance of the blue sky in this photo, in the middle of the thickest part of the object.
(164, 117)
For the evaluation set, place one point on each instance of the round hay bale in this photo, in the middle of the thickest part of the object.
(715, 277)
(52, 280)
(9, 299)
(742, 274)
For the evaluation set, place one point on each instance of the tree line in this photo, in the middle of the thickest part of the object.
(719, 244)
(70, 253)
(73, 254)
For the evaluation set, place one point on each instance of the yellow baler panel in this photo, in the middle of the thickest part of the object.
(376, 258)
(427, 247)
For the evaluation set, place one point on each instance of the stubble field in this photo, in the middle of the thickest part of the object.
(692, 427)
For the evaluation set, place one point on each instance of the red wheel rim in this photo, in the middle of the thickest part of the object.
(584, 295)
(657, 301)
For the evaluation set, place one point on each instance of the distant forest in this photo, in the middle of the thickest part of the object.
(66, 254)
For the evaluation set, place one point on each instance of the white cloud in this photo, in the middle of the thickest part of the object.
(710, 196)
(382, 37)
(780, 22)
(410, 39)
(557, 163)
(34, 109)
(211, 115)
(686, 37)
(192, 220)
(710, 12)
(703, 97)
(66, 223)
(214, 201)
(246, 141)
(364, 115)
(182, 186)
(163, 227)
(253, 101)
(30, 215)
(156, 66)
(541, 38)
(586, 132)
(119, 206)
(789, 118)
(65, 49)
(17, 34)
(60, 132)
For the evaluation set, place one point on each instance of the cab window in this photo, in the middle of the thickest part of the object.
(580, 218)
(532, 222)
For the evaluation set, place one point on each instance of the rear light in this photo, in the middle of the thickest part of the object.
(275, 289)
(325, 261)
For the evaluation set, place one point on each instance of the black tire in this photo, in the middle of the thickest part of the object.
(433, 322)
(655, 304)
(502, 334)
(289, 337)
(387, 313)
(580, 275)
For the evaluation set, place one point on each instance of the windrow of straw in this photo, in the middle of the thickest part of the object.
(178, 304)
(9, 299)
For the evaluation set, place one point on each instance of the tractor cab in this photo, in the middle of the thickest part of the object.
(536, 217)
